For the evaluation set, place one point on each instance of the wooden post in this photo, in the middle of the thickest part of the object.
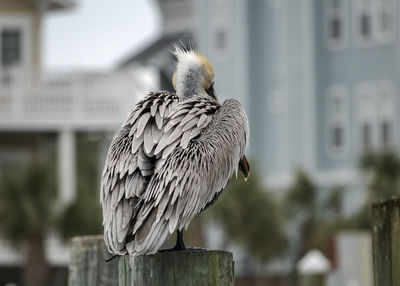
(186, 268)
(87, 266)
(386, 242)
(312, 280)
(313, 269)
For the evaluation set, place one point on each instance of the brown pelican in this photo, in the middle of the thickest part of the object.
(170, 160)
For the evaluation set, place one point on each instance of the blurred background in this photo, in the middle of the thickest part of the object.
(319, 81)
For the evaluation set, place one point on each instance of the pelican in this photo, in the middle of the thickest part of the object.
(170, 160)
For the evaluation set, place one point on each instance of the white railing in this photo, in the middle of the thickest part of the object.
(84, 100)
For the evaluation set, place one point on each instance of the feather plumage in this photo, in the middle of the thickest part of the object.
(169, 161)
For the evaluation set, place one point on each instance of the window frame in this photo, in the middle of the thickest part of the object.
(377, 37)
(386, 112)
(365, 114)
(383, 36)
(329, 12)
(341, 119)
(21, 22)
(220, 22)
(16, 51)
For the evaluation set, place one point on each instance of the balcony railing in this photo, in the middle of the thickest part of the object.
(90, 100)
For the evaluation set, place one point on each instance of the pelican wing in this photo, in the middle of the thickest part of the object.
(130, 165)
(199, 150)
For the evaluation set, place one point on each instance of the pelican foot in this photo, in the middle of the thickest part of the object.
(111, 257)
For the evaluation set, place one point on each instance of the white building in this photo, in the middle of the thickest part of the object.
(39, 107)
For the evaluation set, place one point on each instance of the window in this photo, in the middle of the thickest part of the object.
(10, 47)
(15, 47)
(220, 39)
(366, 134)
(337, 140)
(363, 21)
(373, 21)
(383, 16)
(376, 114)
(366, 115)
(386, 133)
(337, 120)
(220, 11)
(386, 113)
(335, 15)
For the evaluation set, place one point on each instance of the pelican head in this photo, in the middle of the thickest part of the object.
(194, 74)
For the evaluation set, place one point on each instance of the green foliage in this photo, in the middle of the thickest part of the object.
(333, 203)
(382, 175)
(82, 217)
(250, 216)
(28, 199)
(301, 196)
(383, 170)
(316, 218)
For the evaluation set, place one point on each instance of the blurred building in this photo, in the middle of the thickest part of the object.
(319, 80)
(39, 108)
(177, 27)
(354, 259)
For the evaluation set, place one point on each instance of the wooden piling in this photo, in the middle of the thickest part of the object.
(186, 268)
(87, 263)
(313, 280)
(386, 242)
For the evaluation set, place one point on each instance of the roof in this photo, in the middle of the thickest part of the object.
(160, 44)
(314, 262)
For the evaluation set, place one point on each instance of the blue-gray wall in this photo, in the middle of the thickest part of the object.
(279, 66)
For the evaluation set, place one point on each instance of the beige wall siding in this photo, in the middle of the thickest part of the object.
(34, 11)
(16, 6)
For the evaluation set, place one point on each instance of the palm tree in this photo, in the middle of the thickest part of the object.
(314, 219)
(301, 209)
(381, 170)
(249, 215)
(27, 211)
(30, 207)
(383, 174)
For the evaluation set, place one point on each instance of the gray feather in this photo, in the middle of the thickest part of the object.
(154, 181)
(175, 134)
(187, 118)
(190, 124)
(148, 139)
(203, 117)
(136, 144)
(168, 150)
(142, 124)
(159, 120)
(162, 110)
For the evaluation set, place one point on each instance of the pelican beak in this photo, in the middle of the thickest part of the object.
(210, 91)
(244, 167)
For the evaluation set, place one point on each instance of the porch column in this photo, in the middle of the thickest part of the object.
(66, 166)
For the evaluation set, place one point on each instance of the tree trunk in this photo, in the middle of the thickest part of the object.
(303, 246)
(36, 270)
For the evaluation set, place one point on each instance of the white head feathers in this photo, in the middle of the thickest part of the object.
(194, 73)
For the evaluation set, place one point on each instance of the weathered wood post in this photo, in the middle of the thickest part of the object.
(87, 265)
(189, 268)
(386, 242)
(183, 268)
